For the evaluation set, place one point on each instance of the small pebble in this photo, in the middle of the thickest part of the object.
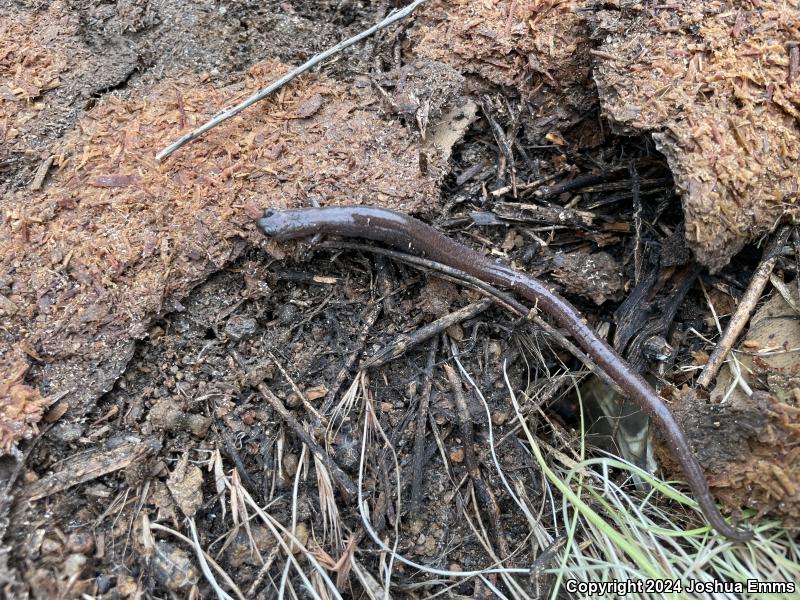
(457, 455)
(301, 533)
(290, 463)
(239, 327)
(104, 583)
(74, 564)
(456, 332)
(80, 543)
(294, 400)
(126, 586)
(416, 526)
(66, 432)
(198, 425)
(173, 567)
(499, 417)
(50, 546)
(287, 313)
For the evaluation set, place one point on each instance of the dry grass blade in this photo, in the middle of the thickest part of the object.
(295, 489)
(342, 479)
(365, 520)
(614, 535)
(262, 573)
(219, 480)
(206, 557)
(532, 520)
(371, 586)
(282, 534)
(344, 407)
(327, 502)
(148, 541)
(236, 484)
(371, 418)
(201, 558)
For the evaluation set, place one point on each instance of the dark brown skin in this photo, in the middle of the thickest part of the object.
(409, 234)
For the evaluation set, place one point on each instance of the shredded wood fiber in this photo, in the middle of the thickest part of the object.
(115, 239)
(712, 81)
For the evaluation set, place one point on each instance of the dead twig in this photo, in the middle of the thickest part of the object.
(482, 492)
(506, 159)
(745, 309)
(796, 246)
(637, 220)
(229, 444)
(418, 458)
(405, 341)
(532, 184)
(549, 215)
(464, 421)
(370, 318)
(41, 173)
(306, 404)
(261, 94)
(503, 299)
(87, 466)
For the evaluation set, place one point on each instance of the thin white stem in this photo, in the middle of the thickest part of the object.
(393, 17)
(363, 510)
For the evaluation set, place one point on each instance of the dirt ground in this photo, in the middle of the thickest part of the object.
(168, 348)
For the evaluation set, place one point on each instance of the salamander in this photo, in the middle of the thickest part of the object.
(412, 235)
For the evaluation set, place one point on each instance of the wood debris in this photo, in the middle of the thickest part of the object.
(114, 239)
(712, 81)
(538, 49)
(27, 70)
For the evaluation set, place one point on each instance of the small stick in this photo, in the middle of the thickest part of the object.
(41, 173)
(573, 184)
(503, 299)
(485, 496)
(393, 17)
(464, 422)
(745, 309)
(531, 184)
(345, 483)
(637, 220)
(308, 406)
(405, 341)
(232, 453)
(503, 144)
(418, 460)
(796, 245)
(368, 322)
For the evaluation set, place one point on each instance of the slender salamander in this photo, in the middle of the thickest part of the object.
(414, 236)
